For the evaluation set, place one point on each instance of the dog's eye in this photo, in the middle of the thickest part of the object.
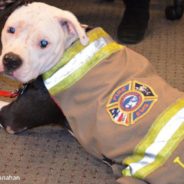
(43, 43)
(11, 30)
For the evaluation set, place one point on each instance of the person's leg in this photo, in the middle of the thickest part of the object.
(134, 22)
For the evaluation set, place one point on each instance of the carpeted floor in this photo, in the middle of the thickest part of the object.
(48, 155)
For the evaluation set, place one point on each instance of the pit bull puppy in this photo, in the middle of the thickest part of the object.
(117, 106)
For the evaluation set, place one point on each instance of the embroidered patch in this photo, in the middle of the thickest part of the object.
(130, 102)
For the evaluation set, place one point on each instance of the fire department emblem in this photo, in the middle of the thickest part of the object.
(130, 102)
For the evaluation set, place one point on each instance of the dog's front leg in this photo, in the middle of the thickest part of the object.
(3, 104)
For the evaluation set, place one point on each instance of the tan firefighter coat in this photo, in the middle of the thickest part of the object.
(119, 108)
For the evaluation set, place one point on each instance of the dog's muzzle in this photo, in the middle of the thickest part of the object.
(11, 62)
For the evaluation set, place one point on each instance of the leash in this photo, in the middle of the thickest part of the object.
(13, 94)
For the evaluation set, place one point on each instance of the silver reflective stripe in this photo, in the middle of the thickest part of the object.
(160, 142)
(75, 63)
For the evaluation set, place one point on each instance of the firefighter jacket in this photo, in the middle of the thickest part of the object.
(120, 109)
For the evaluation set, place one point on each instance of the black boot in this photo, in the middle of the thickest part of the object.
(134, 22)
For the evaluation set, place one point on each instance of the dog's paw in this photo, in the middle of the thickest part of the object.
(3, 104)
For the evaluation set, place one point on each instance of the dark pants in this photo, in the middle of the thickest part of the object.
(143, 4)
(134, 21)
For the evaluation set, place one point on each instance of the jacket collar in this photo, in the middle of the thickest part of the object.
(78, 60)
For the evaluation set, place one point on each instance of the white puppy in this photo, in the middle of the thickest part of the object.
(33, 42)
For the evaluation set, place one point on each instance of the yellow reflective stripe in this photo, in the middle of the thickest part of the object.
(163, 155)
(76, 48)
(78, 74)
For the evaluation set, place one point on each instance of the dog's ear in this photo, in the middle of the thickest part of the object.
(66, 19)
(70, 23)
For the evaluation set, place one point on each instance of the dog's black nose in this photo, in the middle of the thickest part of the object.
(11, 61)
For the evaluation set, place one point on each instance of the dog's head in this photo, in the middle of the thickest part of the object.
(34, 39)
